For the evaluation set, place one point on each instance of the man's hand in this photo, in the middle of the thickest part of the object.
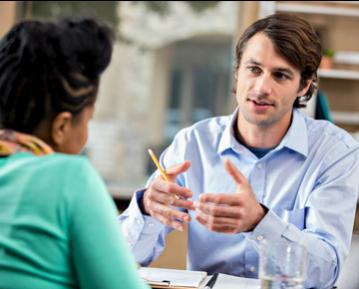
(230, 213)
(161, 199)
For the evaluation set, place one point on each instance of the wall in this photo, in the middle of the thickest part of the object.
(134, 90)
(7, 15)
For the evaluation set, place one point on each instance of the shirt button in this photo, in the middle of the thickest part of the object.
(151, 224)
(252, 268)
(259, 166)
(138, 221)
(260, 238)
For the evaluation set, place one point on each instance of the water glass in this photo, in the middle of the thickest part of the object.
(282, 266)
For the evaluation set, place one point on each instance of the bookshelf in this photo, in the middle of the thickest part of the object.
(337, 23)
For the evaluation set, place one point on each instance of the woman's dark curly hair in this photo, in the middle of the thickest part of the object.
(50, 67)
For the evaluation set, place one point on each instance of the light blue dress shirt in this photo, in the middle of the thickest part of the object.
(309, 183)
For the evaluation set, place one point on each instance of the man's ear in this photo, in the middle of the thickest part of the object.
(305, 89)
(60, 127)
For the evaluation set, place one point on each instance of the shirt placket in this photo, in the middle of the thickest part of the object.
(257, 180)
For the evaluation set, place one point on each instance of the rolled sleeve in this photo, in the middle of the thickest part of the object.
(142, 232)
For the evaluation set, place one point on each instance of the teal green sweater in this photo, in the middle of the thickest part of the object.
(58, 227)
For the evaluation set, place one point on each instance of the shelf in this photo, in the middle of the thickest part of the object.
(342, 2)
(344, 117)
(339, 77)
(339, 74)
(317, 9)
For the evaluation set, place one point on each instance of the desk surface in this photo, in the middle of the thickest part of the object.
(225, 281)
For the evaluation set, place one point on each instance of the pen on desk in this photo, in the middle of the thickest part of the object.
(211, 281)
(157, 164)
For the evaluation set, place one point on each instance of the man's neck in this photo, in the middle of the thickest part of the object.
(260, 136)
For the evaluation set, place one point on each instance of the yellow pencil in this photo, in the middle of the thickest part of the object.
(155, 160)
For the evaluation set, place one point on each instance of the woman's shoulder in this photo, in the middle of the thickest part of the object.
(70, 166)
(66, 160)
(68, 175)
(56, 164)
(62, 160)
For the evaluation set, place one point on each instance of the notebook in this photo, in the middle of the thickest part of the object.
(172, 278)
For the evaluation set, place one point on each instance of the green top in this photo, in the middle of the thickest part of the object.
(58, 227)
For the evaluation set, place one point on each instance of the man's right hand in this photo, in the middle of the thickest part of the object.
(162, 197)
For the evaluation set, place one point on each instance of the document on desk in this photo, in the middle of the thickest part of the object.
(172, 278)
(225, 281)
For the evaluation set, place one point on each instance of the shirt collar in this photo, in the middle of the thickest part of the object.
(228, 140)
(295, 139)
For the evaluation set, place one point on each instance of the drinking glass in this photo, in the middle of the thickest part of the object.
(282, 266)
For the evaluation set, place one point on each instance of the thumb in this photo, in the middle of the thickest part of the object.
(234, 172)
(175, 170)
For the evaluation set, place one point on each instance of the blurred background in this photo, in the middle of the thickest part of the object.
(173, 65)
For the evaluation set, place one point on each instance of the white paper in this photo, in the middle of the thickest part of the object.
(225, 281)
(178, 278)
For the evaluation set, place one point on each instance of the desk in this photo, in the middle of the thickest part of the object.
(225, 281)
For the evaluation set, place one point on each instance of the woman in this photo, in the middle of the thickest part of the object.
(58, 224)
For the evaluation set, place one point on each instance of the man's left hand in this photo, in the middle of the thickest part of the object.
(230, 213)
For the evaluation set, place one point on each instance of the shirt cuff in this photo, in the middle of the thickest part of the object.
(271, 227)
(144, 223)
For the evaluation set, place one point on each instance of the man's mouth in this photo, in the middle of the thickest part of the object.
(261, 102)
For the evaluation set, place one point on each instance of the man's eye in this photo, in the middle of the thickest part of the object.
(254, 69)
(281, 76)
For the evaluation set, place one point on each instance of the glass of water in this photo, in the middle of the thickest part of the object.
(282, 266)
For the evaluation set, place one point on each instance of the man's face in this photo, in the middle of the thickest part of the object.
(267, 85)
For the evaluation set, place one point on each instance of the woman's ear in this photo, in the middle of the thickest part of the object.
(60, 128)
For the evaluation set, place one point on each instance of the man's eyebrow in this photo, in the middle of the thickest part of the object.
(284, 70)
(252, 61)
(276, 69)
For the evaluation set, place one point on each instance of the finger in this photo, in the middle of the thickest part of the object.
(185, 204)
(226, 230)
(154, 196)
(175, 170)
(224, 199)
(227, 222)
(215, 228)
(204, 220)
(160, 197)
(171, 188)
(170, 223)
(234, 172)
(218, 210)
(221, 221)
(170, 213)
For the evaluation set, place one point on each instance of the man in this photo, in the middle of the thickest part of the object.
(267, 171)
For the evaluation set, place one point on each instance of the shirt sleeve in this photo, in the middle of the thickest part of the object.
(145, 234)
(101, 257)
(329, 217)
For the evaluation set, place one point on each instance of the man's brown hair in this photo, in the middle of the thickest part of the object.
(295, 40)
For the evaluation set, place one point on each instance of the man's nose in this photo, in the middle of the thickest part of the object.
(263, 84)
